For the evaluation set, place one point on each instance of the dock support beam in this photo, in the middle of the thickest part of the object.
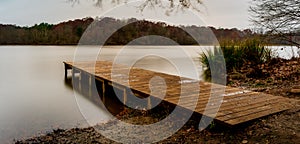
(90, 86)
(79, 81)
(74, 79)
(66, 72)
(103, 92)
(149, 103)
(125, 96)
(67, 67)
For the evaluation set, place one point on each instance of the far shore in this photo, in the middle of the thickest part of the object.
(269, 45)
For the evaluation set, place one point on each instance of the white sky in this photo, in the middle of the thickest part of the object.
(217, 13)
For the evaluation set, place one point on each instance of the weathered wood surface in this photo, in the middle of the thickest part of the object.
(233, 105)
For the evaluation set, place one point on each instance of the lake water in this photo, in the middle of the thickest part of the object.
(34, 98)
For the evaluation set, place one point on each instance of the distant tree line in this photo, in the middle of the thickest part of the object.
(70, 33)
(66, 33)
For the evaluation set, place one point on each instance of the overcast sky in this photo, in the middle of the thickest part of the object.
(217, 13)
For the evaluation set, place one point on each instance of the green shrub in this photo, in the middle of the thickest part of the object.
(235, 54)
(214, 65)
(255, 52)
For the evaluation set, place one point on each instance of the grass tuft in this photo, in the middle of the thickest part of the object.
(235, 54)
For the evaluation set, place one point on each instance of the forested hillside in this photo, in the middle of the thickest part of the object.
(69, 33)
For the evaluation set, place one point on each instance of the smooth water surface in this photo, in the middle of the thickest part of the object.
(34, 98)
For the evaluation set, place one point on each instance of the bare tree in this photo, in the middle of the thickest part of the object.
(279, 17)
(169, 5)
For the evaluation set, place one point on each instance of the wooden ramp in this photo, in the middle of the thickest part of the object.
(231, 106)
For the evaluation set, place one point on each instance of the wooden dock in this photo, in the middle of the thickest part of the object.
(233, 105)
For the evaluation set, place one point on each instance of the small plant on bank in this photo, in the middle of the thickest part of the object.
(236, 54)
(214, 66)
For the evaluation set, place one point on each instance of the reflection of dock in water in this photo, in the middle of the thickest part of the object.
(119, 84)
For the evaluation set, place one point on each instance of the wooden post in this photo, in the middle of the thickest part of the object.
(149, 103)
(66, 71)
(79, 81)
(125, 96)
(73, 77)
(103, 92)
(90, 85)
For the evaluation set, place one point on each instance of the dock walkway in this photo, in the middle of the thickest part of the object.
(234, 105)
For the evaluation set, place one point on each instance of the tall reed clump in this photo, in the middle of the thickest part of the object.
(235, 54)
(214, 65)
